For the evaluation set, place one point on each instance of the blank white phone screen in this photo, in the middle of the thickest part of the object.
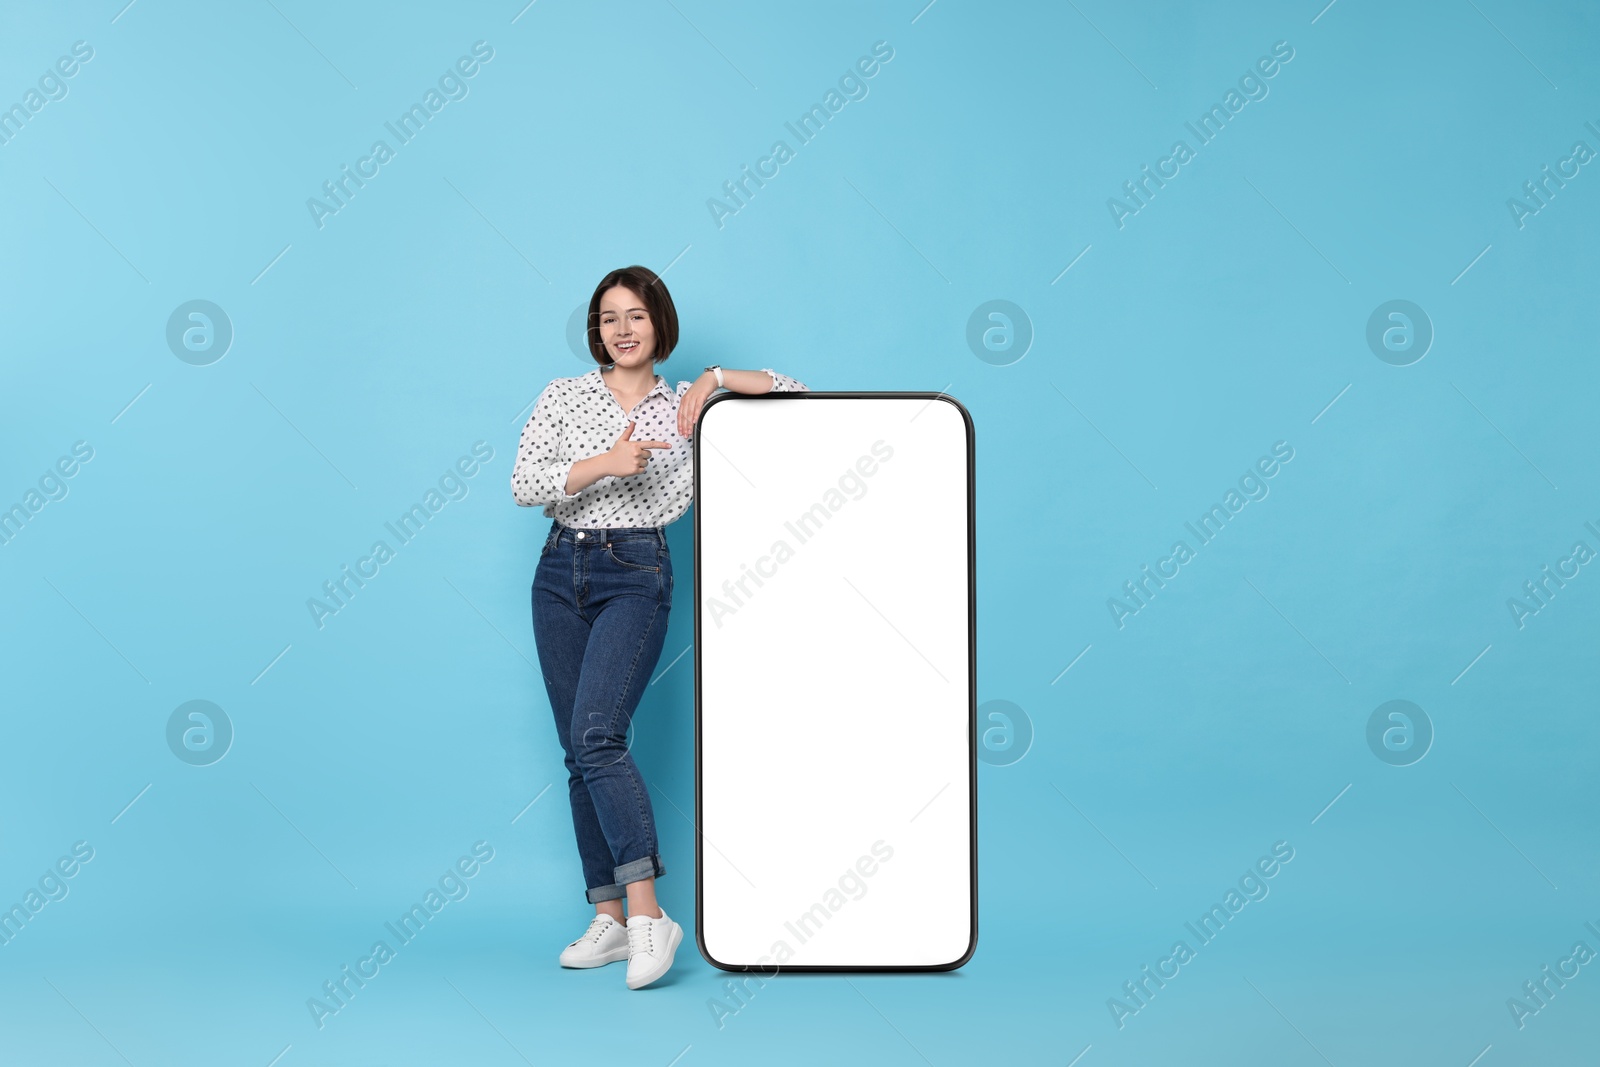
(834, 658)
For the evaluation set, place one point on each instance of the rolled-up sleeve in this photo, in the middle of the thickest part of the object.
(782, 383)
(539, 475)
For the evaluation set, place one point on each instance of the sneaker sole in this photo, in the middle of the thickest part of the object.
(672, 951)
(614, 956)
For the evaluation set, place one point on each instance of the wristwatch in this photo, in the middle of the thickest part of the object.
(715, 369)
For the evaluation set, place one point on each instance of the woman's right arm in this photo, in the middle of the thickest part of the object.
(539, 476)
(586, 472)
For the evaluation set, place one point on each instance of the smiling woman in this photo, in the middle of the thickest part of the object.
(602, 590)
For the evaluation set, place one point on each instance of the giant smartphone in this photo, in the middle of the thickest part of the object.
(835, 651)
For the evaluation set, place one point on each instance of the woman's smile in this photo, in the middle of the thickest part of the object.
(626, 329)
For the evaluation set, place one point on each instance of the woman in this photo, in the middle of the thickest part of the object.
(607, 454)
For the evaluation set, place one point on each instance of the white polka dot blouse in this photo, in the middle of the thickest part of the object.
(576, 418)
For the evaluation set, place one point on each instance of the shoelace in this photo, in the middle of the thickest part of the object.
(640, 939)
(596, 928)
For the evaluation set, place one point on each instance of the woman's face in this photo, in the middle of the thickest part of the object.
(625, 328)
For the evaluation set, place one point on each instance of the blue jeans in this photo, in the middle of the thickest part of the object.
(600, 604)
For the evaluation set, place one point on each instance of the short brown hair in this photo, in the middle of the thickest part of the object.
(657, 301)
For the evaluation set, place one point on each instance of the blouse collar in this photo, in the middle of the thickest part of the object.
(595, 383)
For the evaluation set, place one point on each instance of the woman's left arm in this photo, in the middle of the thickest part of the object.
(736, 381)
(758, 381)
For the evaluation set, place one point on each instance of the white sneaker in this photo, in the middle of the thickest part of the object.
(606, 941)
(651, 944)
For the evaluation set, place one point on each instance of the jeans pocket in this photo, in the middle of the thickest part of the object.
(635, 553)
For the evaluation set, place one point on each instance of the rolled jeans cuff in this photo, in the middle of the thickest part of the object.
(632, 871)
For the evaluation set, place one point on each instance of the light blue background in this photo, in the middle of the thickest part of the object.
(427, 315)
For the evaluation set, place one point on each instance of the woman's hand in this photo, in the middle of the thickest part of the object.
(629, 457)
(693, 400)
